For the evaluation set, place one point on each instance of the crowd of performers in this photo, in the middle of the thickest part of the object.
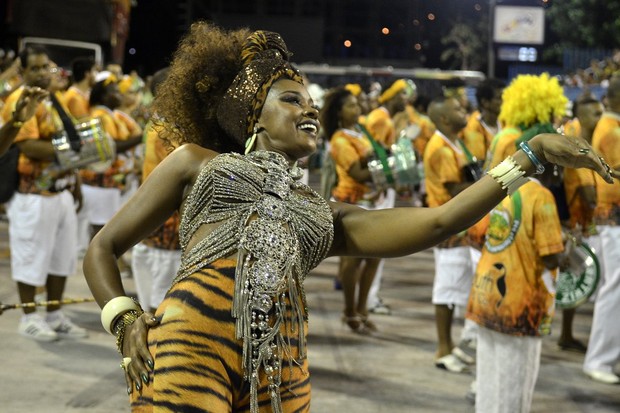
(502, 271)
(217, 134)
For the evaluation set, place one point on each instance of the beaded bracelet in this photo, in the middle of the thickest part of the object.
(121, 324)
(115, 308)
(509, 175)
(540, 168)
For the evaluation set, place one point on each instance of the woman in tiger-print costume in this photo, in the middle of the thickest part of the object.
(230, 335)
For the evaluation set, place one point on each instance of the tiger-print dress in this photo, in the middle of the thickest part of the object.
(199, 357)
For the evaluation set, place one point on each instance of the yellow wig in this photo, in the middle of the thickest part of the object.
(531, 99)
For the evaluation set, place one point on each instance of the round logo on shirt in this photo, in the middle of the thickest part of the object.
(502, 230)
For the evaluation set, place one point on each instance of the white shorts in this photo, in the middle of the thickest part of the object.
(153, 271)
(42, 236)
(454, 271)
(100, 204)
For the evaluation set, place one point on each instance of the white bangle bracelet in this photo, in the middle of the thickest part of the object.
(115, 308)
(509, 175)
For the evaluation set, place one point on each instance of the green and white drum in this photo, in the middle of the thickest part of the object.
(579, 281)
(400, 170)
(95, 146)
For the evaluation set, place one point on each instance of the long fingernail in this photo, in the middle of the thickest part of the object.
(128, 390)
(150, 364)
(145, 378)
(138, 387)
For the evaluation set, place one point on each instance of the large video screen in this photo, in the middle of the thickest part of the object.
(519, 25)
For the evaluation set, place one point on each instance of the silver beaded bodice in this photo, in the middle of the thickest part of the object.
(280, 229)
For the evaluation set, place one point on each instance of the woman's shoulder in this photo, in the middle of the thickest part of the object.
(339, 137)
(190, 152)
(345, 136)
(191, 158)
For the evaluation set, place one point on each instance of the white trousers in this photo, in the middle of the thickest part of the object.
(373, 294)
(153, 271)
(594, 242)
(604, 345)
(506, 371)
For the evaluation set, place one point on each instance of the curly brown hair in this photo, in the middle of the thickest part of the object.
(203, 67)
(332, 105)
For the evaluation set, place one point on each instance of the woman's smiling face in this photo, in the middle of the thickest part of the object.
(288, 123)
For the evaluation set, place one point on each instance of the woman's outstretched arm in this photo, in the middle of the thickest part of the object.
(402, 231)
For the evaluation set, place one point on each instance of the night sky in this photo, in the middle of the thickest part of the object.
(400, 33)
(156, 26)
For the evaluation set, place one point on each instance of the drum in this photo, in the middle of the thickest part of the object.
(95, 146)
(402, 169)
(579, 280)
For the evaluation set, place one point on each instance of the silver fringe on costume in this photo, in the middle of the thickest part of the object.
(281, 229)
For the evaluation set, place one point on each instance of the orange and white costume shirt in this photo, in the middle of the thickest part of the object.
(513, 293)
(347, 147)
(76, 102)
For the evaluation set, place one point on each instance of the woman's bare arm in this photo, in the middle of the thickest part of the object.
(401, 231)
(359, 171)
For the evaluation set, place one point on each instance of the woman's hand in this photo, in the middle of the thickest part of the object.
(571, 152)
(135, 347)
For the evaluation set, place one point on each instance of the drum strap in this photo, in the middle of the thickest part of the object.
(470, 158)
(67, 123)
(381, 153)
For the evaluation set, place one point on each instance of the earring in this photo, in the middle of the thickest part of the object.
(251, 141)
(296, 171)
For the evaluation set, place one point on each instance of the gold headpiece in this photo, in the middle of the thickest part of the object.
(265, 59)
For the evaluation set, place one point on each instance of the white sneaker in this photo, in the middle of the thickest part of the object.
(466, 351)
(64, 327)
(451, 363)
(603, 376)
(34, 326)
(380, 308)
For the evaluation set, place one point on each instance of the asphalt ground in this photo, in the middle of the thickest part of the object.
(390, 371)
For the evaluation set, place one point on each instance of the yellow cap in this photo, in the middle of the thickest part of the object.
(397, 87)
